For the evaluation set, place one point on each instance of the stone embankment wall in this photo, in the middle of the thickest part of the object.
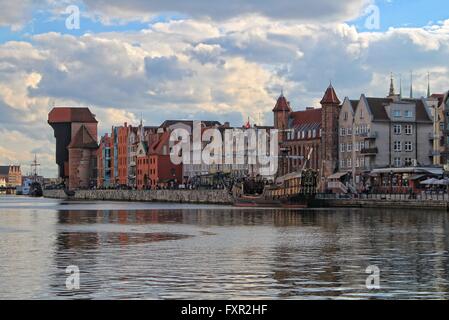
(175, 196)
(390, 204)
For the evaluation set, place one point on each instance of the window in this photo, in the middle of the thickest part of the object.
(397, 113)
(362, 162)
(342, 147)
(397, 129)
(342, 132)
(349, 163)
(357, 163)
(349, 131)
(408, 146)
(397, 146)
(346, 116)
(408, 162)
(357, 146)
(314, 133)
(342, 163)
(349, 147)
(397, 162)
(409, 129)
(408, 114)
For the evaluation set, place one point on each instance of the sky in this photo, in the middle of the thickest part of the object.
(202, 59)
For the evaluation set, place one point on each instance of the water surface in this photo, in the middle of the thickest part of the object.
(168, 251)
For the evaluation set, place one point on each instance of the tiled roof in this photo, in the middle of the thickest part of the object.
(282, 104)
(309, 116)
(421, 113)
(377, 107)
(354, 104)
(156, 147)
(70, 114)
(83, 140)
(330, 97)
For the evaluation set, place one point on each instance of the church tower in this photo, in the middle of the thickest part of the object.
(329, 135)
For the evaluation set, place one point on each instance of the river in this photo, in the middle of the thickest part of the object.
(171, 251)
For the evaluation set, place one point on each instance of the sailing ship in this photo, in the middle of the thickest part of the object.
(294, 190)
(35, 188)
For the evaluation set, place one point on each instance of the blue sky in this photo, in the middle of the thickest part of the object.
(393, 13)
(224, 60)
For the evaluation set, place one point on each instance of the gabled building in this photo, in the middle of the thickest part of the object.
(10, 176)
(312, 132)
(390, 132)
(104, 162)
(77, 160)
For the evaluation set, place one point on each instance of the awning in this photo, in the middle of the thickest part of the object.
(338, 175)
(417, 177)
(416, 170)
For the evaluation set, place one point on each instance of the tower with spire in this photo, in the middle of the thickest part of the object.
(392, 93)
(329, 136)
(281, 113)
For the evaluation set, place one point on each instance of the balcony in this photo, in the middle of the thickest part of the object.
(370, 151)
(369, 135)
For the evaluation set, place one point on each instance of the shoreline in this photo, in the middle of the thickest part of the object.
(222, 197)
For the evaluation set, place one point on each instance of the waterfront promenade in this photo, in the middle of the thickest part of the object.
(398, 201)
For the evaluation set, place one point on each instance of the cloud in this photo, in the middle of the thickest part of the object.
(304, 10)
(210, 69)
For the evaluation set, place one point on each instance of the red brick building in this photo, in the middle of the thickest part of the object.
(154, 166)
(313, 131)
(75, 130)
(119, 154)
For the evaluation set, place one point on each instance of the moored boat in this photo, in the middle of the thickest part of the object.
(295, 190)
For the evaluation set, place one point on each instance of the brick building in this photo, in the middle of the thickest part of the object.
(10, 176)
(313, 131)
(75, 130)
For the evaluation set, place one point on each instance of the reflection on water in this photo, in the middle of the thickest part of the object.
(164, 251)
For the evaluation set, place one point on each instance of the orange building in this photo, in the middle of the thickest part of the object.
(119, 154)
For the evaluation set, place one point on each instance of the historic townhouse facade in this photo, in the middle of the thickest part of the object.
(387, 132)
(310, 135)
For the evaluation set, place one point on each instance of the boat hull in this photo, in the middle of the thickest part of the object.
(260, 202)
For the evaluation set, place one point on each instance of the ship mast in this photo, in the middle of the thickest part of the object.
(34, 166)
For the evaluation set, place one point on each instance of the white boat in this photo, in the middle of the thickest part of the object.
(26, 187)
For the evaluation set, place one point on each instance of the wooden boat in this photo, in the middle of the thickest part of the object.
(295, 190)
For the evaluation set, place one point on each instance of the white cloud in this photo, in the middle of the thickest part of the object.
(224, 70)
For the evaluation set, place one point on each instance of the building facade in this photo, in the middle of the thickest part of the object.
(75, 130)
(376, 133)
(10, 176)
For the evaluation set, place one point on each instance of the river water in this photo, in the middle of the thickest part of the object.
(170, 251)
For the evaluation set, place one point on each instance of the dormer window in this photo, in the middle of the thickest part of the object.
(397, 113)
(408, 114)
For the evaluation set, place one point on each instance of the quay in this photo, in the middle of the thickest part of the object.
(175, 196)
(222, 197)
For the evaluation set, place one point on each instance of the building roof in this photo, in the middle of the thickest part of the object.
(4, 170)
(83, 140)
(157, 146)
(330, 97)
(71, 114)
(282, 104)
(377, 107)
(308, 116)
(421, 113)
(354, 104)
(169, 123)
